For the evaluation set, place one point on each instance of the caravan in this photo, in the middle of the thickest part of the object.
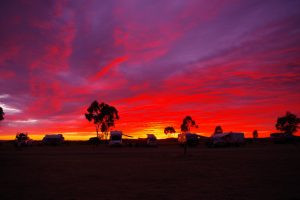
(115, 138)
(227, 139)
(54, 139)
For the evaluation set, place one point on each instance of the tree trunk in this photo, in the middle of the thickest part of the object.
(106, 135)
(97, 130)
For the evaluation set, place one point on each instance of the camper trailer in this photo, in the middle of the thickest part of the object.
(191, 139)
(115, 138)
(53, 139)
(227, 139)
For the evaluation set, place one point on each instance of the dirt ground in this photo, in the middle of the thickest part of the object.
(81, 171)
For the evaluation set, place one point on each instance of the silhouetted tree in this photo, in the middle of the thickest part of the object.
(187, 123)
(169, 130)
(103, 116)
(22, 136)
(288, 124)
(218, 130)
(255, 134)
(1, 114)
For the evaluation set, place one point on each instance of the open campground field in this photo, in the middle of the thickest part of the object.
(81, 171)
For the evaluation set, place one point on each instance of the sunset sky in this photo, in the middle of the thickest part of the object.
(234, 63)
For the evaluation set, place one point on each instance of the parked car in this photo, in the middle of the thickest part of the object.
(94, 140)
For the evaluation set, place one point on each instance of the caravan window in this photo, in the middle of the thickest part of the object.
(116, 137)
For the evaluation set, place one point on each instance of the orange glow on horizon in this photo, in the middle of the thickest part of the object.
(83, 136)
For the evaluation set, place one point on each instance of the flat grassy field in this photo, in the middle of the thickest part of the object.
(81, 171)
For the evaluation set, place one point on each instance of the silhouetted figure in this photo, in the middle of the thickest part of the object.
(218, 130)
(288, 124)
(103, 116)
(169, 130)
(255, 134)
(1, 114)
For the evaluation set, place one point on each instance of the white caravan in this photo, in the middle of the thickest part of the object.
(115, 138)
(228, 139)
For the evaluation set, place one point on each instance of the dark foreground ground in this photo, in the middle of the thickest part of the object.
(81, 171)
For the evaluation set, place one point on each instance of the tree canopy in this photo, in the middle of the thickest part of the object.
(103, 116)
(187, 123)
(218, 130)
(169, 130)
(288, 124)
(255, 134)
(1, 114)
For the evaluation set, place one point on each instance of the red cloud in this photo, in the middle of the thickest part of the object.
(108, 67)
